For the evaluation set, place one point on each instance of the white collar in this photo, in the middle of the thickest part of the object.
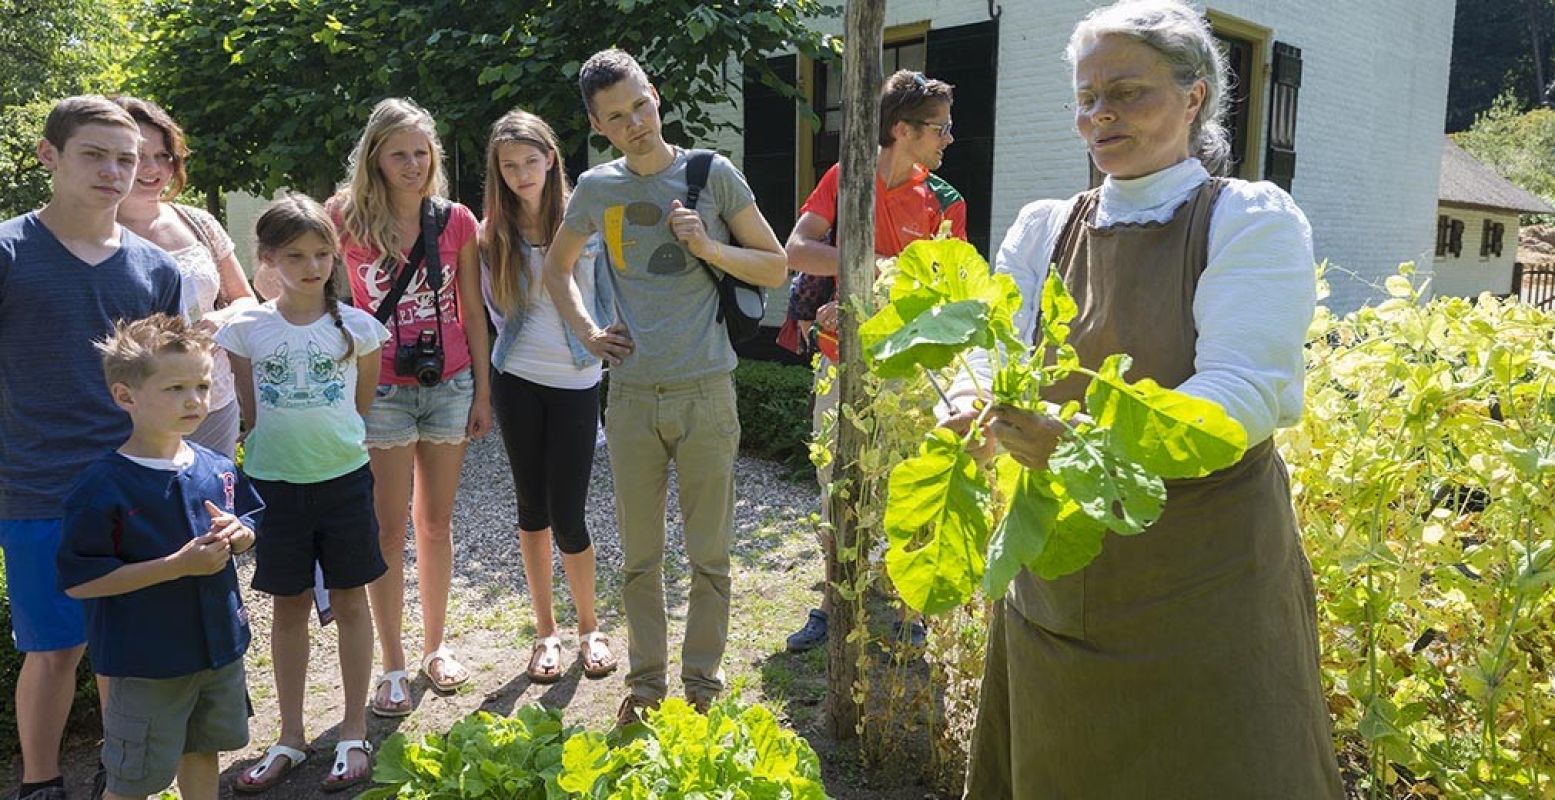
(1153, 197)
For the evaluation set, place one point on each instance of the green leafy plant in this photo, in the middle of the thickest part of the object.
(947, 535)
(482, 755)
(731, 752)
(1422, 474)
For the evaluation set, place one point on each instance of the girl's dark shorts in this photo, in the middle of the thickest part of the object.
(331, 523)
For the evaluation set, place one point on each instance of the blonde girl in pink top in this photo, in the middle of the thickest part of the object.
(434, 387)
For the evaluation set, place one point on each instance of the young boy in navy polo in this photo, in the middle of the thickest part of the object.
(149, 534)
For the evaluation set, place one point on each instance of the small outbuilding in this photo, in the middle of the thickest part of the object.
(1478, 214)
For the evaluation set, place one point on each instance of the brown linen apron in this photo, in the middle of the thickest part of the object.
(1183, 662)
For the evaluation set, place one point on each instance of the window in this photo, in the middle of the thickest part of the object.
(1490, 239)
(905, 50)
(1454, 237)
(1246, 47)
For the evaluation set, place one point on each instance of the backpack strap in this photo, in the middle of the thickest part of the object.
(434, 218)
(698, 164)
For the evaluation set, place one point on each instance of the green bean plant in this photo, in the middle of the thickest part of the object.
(1423, 472)
(955, 527)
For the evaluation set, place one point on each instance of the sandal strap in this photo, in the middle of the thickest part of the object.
(274, 752)
(442, 652)
(397, 680)
(546, 646)
(343, 750)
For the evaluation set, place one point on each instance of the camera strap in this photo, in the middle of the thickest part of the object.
(407, 271)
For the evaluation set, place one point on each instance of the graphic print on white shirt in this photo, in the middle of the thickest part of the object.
(416, 305)
(311, 379)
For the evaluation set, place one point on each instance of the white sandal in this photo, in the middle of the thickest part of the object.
(336, 780)
(293, 756)
(545, 660)
(399, 684)
(447, 656)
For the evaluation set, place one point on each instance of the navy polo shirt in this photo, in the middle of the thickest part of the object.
(119, 512)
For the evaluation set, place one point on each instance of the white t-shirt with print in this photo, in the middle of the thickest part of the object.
(306, 427)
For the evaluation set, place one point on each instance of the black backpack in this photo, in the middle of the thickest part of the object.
(740, 305)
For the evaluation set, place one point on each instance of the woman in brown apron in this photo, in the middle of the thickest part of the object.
(1182, 663)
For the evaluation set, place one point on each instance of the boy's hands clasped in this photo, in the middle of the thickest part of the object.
(209, 554)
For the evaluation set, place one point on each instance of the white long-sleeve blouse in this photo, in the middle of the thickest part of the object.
(1254, 301)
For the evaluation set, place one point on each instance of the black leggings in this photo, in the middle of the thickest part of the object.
(549, 435)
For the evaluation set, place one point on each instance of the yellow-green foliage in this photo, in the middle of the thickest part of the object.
(1423, 473)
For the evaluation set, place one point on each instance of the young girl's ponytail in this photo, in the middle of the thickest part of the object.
(293, 215)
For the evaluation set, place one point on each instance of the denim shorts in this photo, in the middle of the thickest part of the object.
(403, 415)
(152, 722)
(43, 618)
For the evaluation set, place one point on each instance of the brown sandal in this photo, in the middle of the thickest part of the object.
(547, 649)
(596, 668)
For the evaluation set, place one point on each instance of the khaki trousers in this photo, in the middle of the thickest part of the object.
(694, 424)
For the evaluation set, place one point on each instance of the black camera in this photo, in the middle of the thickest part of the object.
(422, 359)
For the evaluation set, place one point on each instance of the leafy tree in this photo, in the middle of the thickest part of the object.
(1500, 46)
(1520, 146)
(275, 92)
(51, 49)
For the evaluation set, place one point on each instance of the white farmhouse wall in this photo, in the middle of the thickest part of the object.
(1468, 274)
(243, 211)
(1368, 134)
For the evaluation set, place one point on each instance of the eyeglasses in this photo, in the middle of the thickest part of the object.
(942, 128)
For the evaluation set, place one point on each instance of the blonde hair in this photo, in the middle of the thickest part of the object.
(363, 200)
(503, 229)
(131, 350)
(294, 215)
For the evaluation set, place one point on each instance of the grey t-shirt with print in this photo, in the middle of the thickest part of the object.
(666, 299)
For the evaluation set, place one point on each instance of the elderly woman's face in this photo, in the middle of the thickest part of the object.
(1133, 117)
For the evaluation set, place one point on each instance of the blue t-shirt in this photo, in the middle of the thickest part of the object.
(121, 512)
(56, 415)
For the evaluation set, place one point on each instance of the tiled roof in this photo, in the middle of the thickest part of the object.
(1466, 181)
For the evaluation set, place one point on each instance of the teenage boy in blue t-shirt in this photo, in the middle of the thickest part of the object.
(149, 534)
(67, 272)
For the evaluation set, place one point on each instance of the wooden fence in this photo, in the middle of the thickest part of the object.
(1535, 285)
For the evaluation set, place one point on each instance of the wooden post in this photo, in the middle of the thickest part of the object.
(861, 78)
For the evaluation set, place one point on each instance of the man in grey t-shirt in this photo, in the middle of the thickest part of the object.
(671, 389)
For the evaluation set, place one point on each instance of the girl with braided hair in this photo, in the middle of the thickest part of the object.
(307, 366)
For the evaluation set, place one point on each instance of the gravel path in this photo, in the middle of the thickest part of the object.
(486, 515)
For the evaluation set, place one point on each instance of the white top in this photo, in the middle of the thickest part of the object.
(202, 285)
(540, 354)
(306, 429)
(1254, 301)
(180, 461)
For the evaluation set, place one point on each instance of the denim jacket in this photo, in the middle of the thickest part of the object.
(592, 264)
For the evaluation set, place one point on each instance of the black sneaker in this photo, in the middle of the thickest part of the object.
(99, 782)
(916, 636)
(811, 636)
(45, 793)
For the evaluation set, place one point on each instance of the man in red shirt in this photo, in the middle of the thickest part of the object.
(911, 203)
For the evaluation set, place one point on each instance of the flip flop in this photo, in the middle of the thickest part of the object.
(398, 685)
(596, 668)
(547, 649)
(336, 781)
(293, 758)
(447, 657)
